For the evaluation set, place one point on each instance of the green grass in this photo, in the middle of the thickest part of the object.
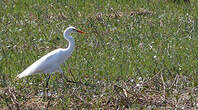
(120, 44)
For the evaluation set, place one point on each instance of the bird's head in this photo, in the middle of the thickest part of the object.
(72, 29)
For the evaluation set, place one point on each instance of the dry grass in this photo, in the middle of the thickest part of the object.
(158, 92)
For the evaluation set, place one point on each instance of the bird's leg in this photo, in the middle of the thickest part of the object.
(60, 70)
(69, 70)
(70, 81)
(62, 74)
(47, 82)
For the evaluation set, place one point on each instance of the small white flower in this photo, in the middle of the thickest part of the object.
(132, 80)
(138, 85)
(196, 104)
(140, 78)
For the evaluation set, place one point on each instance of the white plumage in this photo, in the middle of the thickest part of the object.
(52, 61)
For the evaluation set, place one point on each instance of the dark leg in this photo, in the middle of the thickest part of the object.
(70, 81)
(187, 1)
(47, 83)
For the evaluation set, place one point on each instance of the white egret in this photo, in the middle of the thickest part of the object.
(51, 62)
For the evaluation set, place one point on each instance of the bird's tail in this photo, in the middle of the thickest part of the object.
(28, 71)
(19, 76)
(23, 74)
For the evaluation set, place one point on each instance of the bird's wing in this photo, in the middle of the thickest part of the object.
(47, 63)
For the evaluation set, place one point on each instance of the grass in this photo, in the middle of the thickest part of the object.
(137, 54)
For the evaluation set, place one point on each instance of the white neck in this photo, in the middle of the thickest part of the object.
(71, 41)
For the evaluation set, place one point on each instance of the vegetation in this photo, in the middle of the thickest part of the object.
(136, 54)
